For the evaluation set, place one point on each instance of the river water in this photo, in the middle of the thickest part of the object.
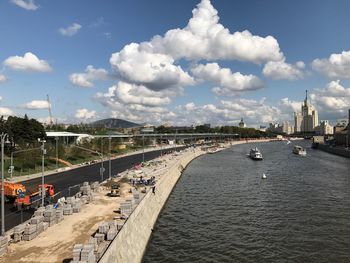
(222, 211)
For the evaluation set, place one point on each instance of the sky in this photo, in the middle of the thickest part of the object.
(182, 62)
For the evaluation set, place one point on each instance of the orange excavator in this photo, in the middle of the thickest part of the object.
(33, 200)
(12, 190)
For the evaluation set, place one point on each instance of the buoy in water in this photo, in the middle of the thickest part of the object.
(264, 176)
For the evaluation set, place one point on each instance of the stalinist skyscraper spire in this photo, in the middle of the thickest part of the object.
(308, 119)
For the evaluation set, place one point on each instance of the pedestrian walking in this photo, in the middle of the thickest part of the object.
(154, 189)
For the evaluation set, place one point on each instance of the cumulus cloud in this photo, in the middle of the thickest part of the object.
(153, 63)
(29, 62)
(86, 79)
(2, 78)
(70, 30)
(26, 4)
(85, 114)
(287, 104)
(6, 112)
(229, 82)
(333, 99)
(283, 70)
(336, 66)
(36, 105)
(156, 71)
(205, 38)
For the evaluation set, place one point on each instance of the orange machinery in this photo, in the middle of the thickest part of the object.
(33, 200)
(12, 190)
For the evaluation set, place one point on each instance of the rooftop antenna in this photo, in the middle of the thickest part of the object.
(49, 108)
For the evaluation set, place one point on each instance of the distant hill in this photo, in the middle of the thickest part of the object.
(112, 123)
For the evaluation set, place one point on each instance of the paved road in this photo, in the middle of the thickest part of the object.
(63, 180)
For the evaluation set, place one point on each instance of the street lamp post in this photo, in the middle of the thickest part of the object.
(4, 139)
(109, 158)
(143, 148)
(56, 139)
(161, 145)
(42, 170)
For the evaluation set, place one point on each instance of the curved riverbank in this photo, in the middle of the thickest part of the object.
(131, 242)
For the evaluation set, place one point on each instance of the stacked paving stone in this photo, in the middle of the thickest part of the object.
(87, 192)
(50, 216)
(3, 245)
(38, 221)
(76, 205)
(125, 208)
(18, 233)
(95, 187)
(67, 209)
(87, 254)
(30, 232)
(59, 214)
(76, 252)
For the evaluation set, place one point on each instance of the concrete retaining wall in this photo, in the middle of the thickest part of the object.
(334, 150)
(131, 242)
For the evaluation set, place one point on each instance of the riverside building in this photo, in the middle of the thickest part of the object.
(307, 119)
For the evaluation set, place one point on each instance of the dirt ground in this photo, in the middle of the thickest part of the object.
(56, 243)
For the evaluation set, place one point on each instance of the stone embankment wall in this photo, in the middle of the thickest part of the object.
(131, 242)
(334, 150)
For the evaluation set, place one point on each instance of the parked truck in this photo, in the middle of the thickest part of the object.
(33, 200)
(12, 190)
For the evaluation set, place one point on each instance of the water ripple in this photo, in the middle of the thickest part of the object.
(221, 210)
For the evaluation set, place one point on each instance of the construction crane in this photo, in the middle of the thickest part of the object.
(49, 108)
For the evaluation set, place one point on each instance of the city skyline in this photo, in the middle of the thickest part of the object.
(156, 62)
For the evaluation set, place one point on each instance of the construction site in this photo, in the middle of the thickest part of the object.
(80, 228)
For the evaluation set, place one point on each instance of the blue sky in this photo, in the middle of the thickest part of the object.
(208, 70)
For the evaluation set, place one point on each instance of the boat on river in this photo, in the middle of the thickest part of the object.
(299, 150)
(255, 154)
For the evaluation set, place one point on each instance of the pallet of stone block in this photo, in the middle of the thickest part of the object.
(29, 229)
(76, 251)
(103, 228)
(3, 241)
(112, 232)
(70, 200)
(45, 225)
(87, 254)
(67, 209)
(29, 237)
(95, 186)
(40, 227)
(100, 237)
(93, 242)
(18, 233)
(3, 251)
(102, 247)
(36, 220)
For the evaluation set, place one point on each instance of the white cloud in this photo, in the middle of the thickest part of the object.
(205, 38)
(26, 4)
(283, 70)
(6, 112)
(86, 79)
(336, 66)
(136, 65)
(29, 62)
(2, 78)
(85, 114)
(36, 105)
(229, 82)
(71, 30)
(334, 99)
(0, 98)
(290, 105)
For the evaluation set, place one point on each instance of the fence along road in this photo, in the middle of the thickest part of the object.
(67, 182)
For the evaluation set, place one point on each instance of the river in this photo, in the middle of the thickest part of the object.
(221, 210)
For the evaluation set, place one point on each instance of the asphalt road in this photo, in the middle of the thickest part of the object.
(63, 180)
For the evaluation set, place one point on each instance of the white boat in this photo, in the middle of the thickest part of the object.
(255, 154)
(288, 141)
(264, 176)
(299, 150)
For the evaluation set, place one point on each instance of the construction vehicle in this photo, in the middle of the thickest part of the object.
(12, 190)
(33, 200)
(114, 190)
